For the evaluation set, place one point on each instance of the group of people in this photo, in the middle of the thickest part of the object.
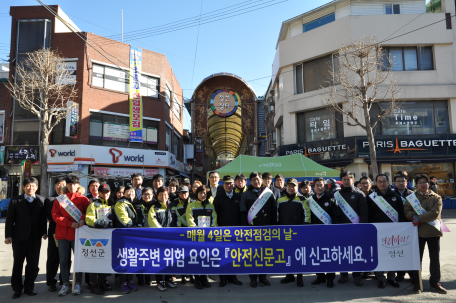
(174, 205)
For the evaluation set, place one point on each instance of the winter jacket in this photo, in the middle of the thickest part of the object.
(48, 205)
(227, 209)
(201, 209)
(267, 214)
(97, 212)
(125, 214)
(142, 209)
(240, 190)
(293, 210)
(407, 192)
(432, 204)
(219, 190)
(276, 192)
(63, 220)
(356, 199)
(433, 187)
(178, 212)
(329, 204)
(376, 215)
(159, 215)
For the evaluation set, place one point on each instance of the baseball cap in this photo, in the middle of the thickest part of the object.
(182, 189)
(292, 181)
(186, 181)
(228, 179)
(104, 187)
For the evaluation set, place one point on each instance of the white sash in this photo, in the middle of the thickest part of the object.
(385, 207)
(403, 200)
(319, 212)
(258, 204)
(69, 207)
(346, 208)
(416, 205)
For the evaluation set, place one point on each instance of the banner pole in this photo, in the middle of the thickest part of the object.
(74, 282)
(420, 278)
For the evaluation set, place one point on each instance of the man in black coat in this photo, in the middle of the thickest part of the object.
(25, 226)
(267, 215)
(215, 188)
(226, 206)
(94, 184)
(380, 212)
(53, 260)
(327, 202)
(357, 201)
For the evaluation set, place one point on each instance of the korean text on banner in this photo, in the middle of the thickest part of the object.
(136, 106)
(249, 250)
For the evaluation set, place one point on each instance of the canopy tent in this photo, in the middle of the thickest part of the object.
(297, 166)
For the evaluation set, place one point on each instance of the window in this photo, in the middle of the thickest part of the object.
(168, 95)
(149, 86)
(417, 118)
(409, 58)
(112, 130)
(319, 22)
(110, 78)
(392, 9)
(26, 132)
(281, 135)
(314, 74)
(177, 107)
(176, 146)
(319, 125)
(2, 126)
(58, 134)
(168, 139)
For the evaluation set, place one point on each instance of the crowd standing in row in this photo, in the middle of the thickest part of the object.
(226, 205)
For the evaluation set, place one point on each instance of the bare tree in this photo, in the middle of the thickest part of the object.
(43, 86)
(362, 78)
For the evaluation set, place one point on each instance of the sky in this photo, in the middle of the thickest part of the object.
(234, 36)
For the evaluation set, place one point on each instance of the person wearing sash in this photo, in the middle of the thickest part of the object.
(143, 206)
(264, 213)
(279, 183)
(385, 206)
(214, 188)
(267, 182)
(324, 211)
(159, 216)
(201, 213)
(179, 219)
(65, 231)
(424, 208)
(125, 216)
(53, 261)
(293, 209)
(25, 226)
(400, 182)
(98, 215)
(226, 206)
(353, 204)
(306, 189)
(241, 183)
(365, 185)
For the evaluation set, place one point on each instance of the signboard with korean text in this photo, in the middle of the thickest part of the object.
(224, 102)
(16, 154)
(71, 126)
(249, 250)
(121, 171)
(136, 106)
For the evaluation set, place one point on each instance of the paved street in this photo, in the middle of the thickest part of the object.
(275, 293)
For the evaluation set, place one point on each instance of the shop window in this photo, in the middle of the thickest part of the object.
(26, 133)
(319, 125)
(319, 22)
(168, 139)
(417, 118)
(112, 130)
(409, 58)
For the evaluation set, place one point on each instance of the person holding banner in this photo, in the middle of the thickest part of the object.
(324, 210)
(423, 208)
(25, 226)
(69, 213)
(226, 206)
(125, 216)
(293, 209)
(353, 204)
(258, 208)
(99, 215)
(201, 213)
(241, 181)
(385, 206)
(94, 184)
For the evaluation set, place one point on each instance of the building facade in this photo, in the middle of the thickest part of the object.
(100, 68)
(420, 137)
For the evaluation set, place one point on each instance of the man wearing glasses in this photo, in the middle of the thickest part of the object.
(214, 178)
(427, 232)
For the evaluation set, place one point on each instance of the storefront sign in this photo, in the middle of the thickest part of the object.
(71, 126)
(199, 145)
(26, 169)
(322, 150)
(136, 106)
(16, 154)
(70, 69)
(65, 168)
(224, 102)
(2, 155)
(106, 171)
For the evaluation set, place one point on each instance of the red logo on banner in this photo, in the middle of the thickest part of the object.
(53, 152)
(115, 154)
